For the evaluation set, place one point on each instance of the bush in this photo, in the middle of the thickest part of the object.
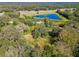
(46, 22)
(48, 51)
(55, 32)
(26, 21)
(22, 28)
(4, 20)
(13, 14)
(40, 32)
(18, 48)
(10, 33)
(61, 49)
(76, 51)
(70, 36)
(66, 15)
(36, 33)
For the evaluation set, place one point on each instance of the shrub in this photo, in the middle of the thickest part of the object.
(4, 21)
(62, 49)
(70, 36)
(36, 33)
(48, 51)
(13, 14)
(10, 33)
(40, 32)
(76, 51)
(22, 27)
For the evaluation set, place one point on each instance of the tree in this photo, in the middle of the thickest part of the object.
(10, 33)
(55, 32)
(40, 32)
(48, 51)
(22, 27)
(4, 21)
(70, 36)
(13, 14)
(54, 35)
(59, 49)
(36, 52)
(36, 33)
(66, 15)
(76, 52)
(46, 22)
(62, 49)
(76, 13)
(12, 43)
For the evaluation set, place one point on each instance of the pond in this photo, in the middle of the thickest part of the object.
(49, 16)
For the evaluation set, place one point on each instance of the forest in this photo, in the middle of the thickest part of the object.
(21, 37)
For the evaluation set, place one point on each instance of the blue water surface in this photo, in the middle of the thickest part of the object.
(49, 16)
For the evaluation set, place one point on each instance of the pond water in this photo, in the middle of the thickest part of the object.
(49, 16)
